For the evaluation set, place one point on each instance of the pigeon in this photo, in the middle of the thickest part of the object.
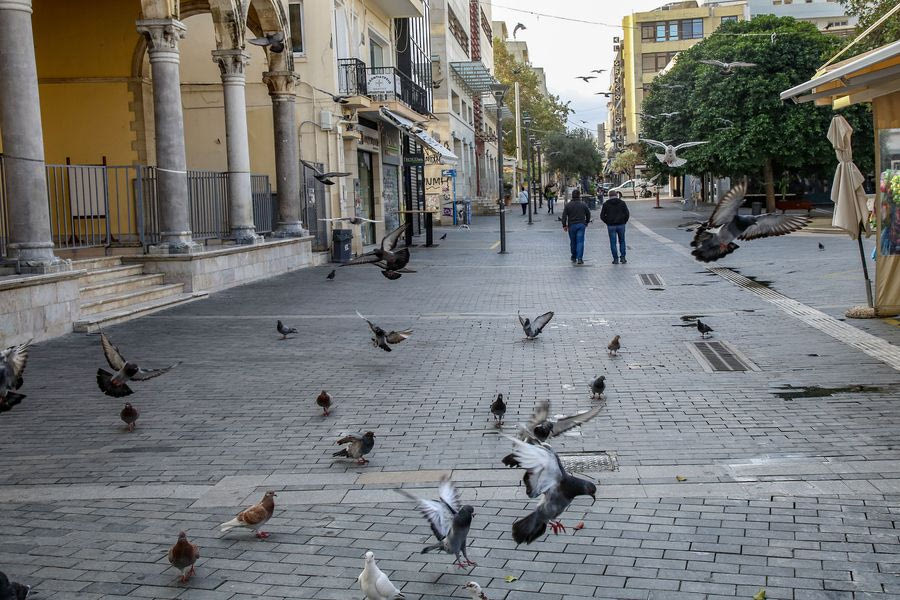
(533, 329)
(391, 262)
(703, 328)
(613, 347)
(330, 276)
(183, 555)
(449, 519)
(357, 446)
(475, 591)
(336, 98)
(670, 86)
(540, 428)
(129, 415)
(728, 122)
(321, 177)
(498, 409)
(115, 385)
(375, 584)
(607, 94)
(663, 115)
(351, 220)
(597, 387)
(548, 477)
(729, 226)
(598, 71)
(444, 237)
(726, 66)
(668, 157)
(517, 28)
(254, 517)
(10, 590)
(12, 366)
(274, 41)
(284, 331)
(821, 246)
(586, 78)
(324, 402)
(383, 339)
(436, 83)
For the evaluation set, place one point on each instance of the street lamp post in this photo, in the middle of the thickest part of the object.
(498, 90)
(527, 122)
(540, 177)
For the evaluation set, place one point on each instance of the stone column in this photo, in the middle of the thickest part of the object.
(31, 242)
(240, 199)
(287, 159)
(171, 171)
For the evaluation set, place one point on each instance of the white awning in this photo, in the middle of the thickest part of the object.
(446, 156)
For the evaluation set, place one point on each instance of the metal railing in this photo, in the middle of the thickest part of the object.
(265, 205)
(381, 84)
(4, 216)
(351, 77)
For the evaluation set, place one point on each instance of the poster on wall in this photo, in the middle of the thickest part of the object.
(889, 186)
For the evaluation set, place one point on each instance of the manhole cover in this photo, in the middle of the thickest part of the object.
(716, 356)
(650, 279)
(583, 462)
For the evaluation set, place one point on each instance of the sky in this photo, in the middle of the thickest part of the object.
(567, 49)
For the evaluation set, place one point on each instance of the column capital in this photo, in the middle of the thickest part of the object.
(20, 5)
(281, 83)
(232, 63)
(162, 34)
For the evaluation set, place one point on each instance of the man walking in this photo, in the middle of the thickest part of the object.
(550, 194)
(615, 214)
(523, 199)
(575, 218)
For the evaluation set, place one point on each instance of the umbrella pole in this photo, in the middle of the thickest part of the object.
(862, 257)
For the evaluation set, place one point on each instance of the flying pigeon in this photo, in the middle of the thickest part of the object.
(116, 385)
(821, 246)
(183, 555)
(728, 122)
(517, 28)
(444, 237)
(330, 276)
(375, 584)
(586, 78)
(663, 115)
(357, 446)
(498, 409)
(726, 66)
(703, 328)
(383, 339)
(533, 329)
(614, 345)
(336, 98)
(129, 416)
(597, 387)
(670, 86)
(323, 177)
(284, 331)
(324, 402)
(351, 220)
(449, 519)
(540, 428)
(254, 517)
(274, 41)
(10, 590)
(669, 158)
(548, 477)
(475, 591)
(436, 83)
(391, 262)
(598, 71)
(729, 226)
(607, 94)
(12, 366)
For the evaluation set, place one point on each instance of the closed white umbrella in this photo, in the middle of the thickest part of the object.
(850, 211)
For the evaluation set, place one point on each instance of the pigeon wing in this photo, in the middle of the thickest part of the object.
(544, 470)
(144, 374)
(688, 145)
(539, 323)
(260, 41)
(311, 166)
(113, 356)
(715, 63)
(449, 494)
(395, 337)
(362, 260)
(374, 332)
(771, 225)
(254, 515)
(568, 423)
(335, 174)
(389, 242)
(16, 357)
(727, 208)
(742, 64)
(438, 515)
(278, 36)
(654, 143)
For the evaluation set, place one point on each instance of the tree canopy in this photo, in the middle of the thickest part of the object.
(869, 11)
(625, 162)
(573, 154)
(750, 131)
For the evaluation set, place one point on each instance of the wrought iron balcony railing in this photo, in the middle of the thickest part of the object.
(382, 84)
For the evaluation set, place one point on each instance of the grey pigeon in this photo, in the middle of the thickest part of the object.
(597, 387)
(533, 329)
(598, 71)
(392, 262)
(703, 328)
(444, 237)
(540, 428)
(323, 177)
(614, 345)
(284, 331)
(498, 409)
(548, 477)
(337, 99)
(821, 246)
(517, 28)
(727, 67)
(375, 584)
(351, 220)
(129, 416)
(715, 238)
(116, 384)
(12, 367)
(449, 519)
(274, 41)
(383, 339)
(330, 276)
(357, 446)
(12, 591)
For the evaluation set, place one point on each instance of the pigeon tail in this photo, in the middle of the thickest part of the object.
(228, 526)
(708, 250)
(104, 382)
(428, 549)
(342, 453)
(12, 398)
(510, 461)
(678, 162)
(661, 158)
(529, 528)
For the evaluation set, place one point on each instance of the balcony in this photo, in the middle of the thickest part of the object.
(383, 85)
(401, 8)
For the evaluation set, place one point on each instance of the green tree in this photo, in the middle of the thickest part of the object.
(869, 11)
(625, 162)
(573, 154)
(749, 130)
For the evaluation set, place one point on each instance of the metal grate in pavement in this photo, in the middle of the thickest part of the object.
(650, 279)
(720, 356)
(583, 462)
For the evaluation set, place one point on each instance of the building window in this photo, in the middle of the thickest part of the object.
(295, 13)
(653, 62)
(458, 31)
(454, 101)
(731, 19)
(486, 26)
(667, 31)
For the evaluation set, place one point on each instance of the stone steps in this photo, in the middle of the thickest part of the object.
(117, 272)
(91, 323)
(125, 299)
(125, 284)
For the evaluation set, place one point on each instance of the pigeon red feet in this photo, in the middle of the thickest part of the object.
(362, 461)
(262, 534)
(471, 563)
(461, 565)
(191, 572)
(557, 526)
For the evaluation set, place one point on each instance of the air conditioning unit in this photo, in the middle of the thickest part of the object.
(326, 120)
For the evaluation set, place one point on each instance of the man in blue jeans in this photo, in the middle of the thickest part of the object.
(615, 214)
(575, 218)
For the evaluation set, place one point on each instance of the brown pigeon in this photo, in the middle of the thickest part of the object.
(614, 346)
(129, 415)
(254, 517)
(183, 555)
(324, 401)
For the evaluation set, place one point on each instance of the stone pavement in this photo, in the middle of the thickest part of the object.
(796, 491)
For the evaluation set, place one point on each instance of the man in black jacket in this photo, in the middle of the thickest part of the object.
(615, 214)
(575, 218)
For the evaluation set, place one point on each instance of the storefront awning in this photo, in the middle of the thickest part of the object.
(446, 156)
(474, 76)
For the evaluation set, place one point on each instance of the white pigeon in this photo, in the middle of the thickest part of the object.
(375, 584)
(669, 157)
(729, 67)
(475, 590)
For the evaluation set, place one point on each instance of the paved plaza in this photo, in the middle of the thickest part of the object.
(726, 482)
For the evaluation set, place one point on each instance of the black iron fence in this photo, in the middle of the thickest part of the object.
(351, 77)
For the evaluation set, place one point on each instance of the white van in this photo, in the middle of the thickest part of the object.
(631, 188)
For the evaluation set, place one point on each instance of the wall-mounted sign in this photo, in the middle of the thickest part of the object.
(382, 83)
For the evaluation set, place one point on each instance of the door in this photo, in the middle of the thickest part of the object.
(391, 195)
(376, 52)
(366, 196)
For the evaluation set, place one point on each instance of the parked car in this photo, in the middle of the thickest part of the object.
(629, 188)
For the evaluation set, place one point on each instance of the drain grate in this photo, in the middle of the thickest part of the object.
(650, 279)
(584, 462)
(720, 356)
